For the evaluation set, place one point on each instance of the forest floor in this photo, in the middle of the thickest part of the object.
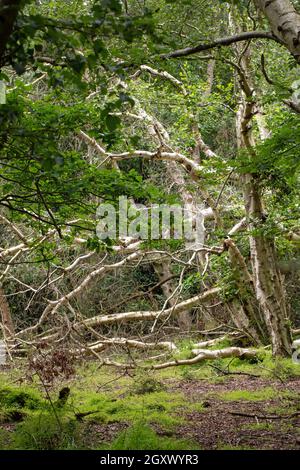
(220, 428)
(255, 406)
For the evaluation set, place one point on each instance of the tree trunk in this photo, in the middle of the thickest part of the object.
(245, 310)
(8, 13)
(267, 278)
(268, 284)
(284, 21)
(163, 272)
(6, 319)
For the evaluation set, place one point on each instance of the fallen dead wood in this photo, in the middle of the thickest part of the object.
(148, 315)
(236, 352)
(213, 342)
(130, 343)
(54, 305)
(256, 416)
(204, 354)
(80, 416)
(296, 344)
(228, 372)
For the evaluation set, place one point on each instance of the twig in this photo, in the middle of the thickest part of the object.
(227, 372)
(256, 416)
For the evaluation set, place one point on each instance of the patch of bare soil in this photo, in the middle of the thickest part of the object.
(94, 434)
(216, 427)
(196, 388)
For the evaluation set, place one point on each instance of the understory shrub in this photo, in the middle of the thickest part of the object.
(46, 432)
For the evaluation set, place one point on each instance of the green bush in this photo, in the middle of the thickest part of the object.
(18, 398)
(143, 385)
(142, 437)
(44, 432)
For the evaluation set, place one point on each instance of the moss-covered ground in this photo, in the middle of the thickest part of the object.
(224, 404)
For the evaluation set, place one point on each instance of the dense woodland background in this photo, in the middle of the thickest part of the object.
(165, 102)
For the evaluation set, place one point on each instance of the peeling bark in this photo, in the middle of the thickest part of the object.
(205, 354)
(245, 310)
(150, 315)
(284, 21)
(128, 343)
(6, 318)
(268, 283)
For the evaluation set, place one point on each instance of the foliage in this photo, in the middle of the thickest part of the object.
(142, 437)
(155, 407)
(150, 419)
(86, 79)
(43, 432)
(19, 398)
(247, 395)
(146, 384)
(277, 160)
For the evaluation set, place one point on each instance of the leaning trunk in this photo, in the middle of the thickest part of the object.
(268, 283)
(267, 278)
(244, 309)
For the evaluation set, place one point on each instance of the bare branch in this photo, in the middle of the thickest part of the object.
(227, 41)
(204, 354)
(164, 75)
(144, 315)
